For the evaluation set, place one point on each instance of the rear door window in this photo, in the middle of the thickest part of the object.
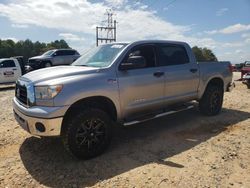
(70, 52)
(60, 53)
(65, 52)
(7, 64)
(172, 55)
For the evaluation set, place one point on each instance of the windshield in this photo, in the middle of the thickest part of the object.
(48, 53)
(101, 56)
(247, 64)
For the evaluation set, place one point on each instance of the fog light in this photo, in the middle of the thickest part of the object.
(40, 127)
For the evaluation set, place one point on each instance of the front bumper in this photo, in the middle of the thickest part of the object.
(32, 67)
(28, 68)
(42, 124)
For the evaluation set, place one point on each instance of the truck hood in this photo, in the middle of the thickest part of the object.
(39, 57)
(58, 72)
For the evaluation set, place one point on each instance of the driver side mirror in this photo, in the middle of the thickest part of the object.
(133, 62)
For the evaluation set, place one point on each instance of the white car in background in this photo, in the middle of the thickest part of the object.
(10, 70)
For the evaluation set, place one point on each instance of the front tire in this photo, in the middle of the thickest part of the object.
(87, 134)
(211, 101)
(47, 64)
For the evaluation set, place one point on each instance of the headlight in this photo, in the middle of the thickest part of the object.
(47, 92)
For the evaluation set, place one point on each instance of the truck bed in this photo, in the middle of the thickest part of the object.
(219, 69)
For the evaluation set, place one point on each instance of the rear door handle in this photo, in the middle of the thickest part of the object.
(158, 74)
(14, 69)
(193, 70)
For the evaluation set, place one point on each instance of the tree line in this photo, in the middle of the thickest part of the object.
(204, 54)
(27, 49)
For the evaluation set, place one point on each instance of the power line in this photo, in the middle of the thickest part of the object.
(109, 30)
(170, 3)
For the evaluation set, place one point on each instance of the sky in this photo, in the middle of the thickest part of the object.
(221, 25)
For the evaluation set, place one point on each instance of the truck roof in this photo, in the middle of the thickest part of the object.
(64, 49)
(151, 41)
(2, 59)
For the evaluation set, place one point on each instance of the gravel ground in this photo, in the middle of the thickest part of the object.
(180, 150)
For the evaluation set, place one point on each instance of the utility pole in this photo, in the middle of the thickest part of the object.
(106, 33)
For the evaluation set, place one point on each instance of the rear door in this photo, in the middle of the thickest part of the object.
(9, 71)
(181, 75)
(69, 57)
(142, 89)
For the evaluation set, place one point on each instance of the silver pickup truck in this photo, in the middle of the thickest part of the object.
(125, 83)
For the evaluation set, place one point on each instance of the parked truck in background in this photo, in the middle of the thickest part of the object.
(10, 70)
(52, 58)
(123, 83)
(245, 69)
(246, 80)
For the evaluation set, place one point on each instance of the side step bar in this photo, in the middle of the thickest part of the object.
(158, 115)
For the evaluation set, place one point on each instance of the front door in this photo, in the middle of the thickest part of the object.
(59, 58)
(141, 89)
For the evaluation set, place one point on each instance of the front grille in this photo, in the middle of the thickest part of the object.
(21, 93)
(34, 63)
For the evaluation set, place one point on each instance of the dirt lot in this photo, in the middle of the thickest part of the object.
(181, 150)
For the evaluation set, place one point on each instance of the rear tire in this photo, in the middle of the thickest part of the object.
(211, 101)
(87, 134)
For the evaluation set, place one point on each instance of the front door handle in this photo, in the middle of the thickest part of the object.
(193, 70)
(158, 74)
(14, 69)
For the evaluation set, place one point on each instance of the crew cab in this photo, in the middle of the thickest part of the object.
(10, 70)
(52, 58)
(119, 83)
